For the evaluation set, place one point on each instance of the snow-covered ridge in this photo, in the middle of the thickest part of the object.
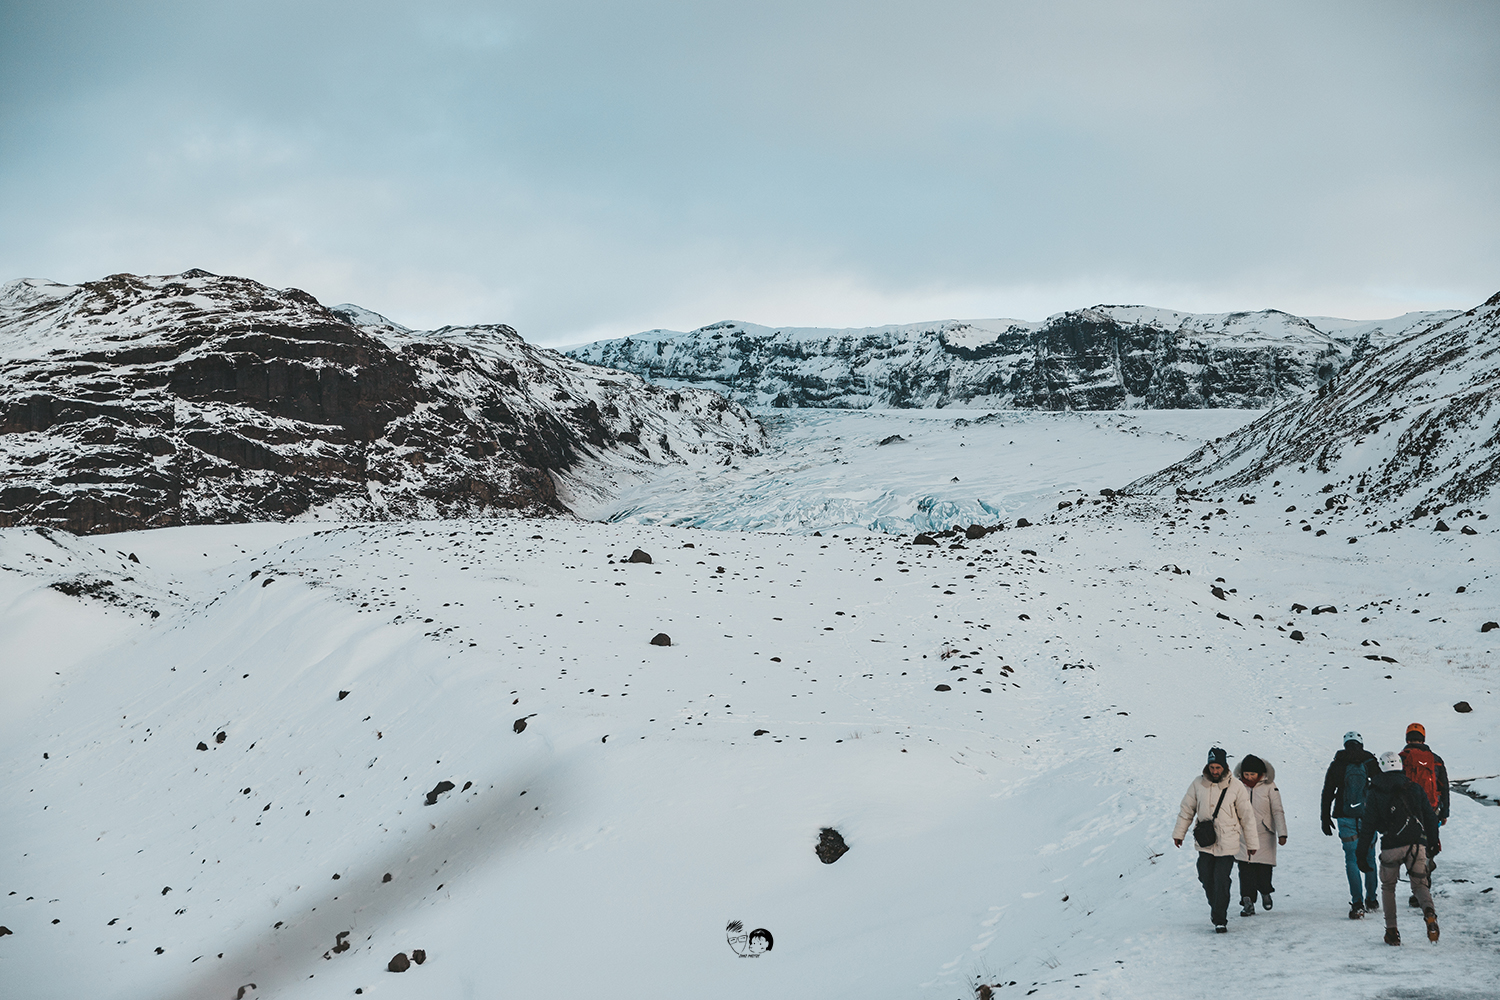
(1405, 432)
(1104, 357)
(194, 398)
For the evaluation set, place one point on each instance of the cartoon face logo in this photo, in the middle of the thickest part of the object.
(751, 945)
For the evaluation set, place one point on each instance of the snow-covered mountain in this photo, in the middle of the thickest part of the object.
(138, 402)
(1103, 358)
(1408, 431)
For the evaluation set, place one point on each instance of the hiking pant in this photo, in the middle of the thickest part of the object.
(1349, 834)
(1214, 873)
(1255, 878)
(1414, 857)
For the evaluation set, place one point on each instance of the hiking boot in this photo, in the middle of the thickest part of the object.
(1247, 906)
(1265, 900)
(1412, 902)
(1392, 936)
(1221, 929)
(1372, 904)
(1356, 912)
(1430, 915)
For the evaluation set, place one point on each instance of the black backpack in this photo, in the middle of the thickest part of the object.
(1393, 815)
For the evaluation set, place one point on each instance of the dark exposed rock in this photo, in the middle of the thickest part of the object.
(1466, 530)
(419, 955)
(343, 695)
(1296, 634)
(1462, 707)
(202, 745)
(439, 789)
(1489, 626)
(924, 539)
(661, 639)
(943, 687)
(519, 725)
(5, 930)
(761, 732)
(141, 402)
(1325, 609)
(638, 556)
(1440, 526)
(893, 439)
(386, 877)
(831, 845)
(1021, 522)
(398, 964)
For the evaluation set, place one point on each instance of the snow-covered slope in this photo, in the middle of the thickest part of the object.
(150, 401)
(999, 729)
(1406, 433)
(1105, 357)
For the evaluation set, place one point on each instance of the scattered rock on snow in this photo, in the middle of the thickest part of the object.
(1489, 626)
(1021, 522)
(343, 695)
(1297, 635)
(831, 845)
(893, 439)
(761, 732)
(942, 687)
(399, 964)
(520, 724)
(1440, 526)
(202, 745)
(924, 539)
(439, 789)
(419, 955)
(1463, 707)
(639, 556)
(661, 639)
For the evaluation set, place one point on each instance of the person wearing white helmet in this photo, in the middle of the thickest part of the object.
(1345, 786)
(1398, 809)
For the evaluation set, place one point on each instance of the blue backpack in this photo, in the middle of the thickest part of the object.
(1356, 788)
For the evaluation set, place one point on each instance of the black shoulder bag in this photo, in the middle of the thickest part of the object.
(1204, 833)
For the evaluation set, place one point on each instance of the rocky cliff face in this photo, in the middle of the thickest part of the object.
(1405, 433)
(137, 402)
(1108, 357)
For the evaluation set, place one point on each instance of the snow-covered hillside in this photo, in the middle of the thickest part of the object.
(1105, 357)
(219, 742)
(1406, 433)
(194, 398)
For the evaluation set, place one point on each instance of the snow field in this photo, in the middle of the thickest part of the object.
(1019, 835)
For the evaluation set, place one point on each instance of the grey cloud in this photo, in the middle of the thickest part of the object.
(583, 168)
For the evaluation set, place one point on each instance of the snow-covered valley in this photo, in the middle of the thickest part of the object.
(613, 807)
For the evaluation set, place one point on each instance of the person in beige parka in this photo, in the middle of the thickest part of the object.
(1259, 778)
(1216, 799)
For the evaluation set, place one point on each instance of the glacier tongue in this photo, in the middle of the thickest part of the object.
(827, 470)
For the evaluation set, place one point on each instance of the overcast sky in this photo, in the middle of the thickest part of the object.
(590, 169)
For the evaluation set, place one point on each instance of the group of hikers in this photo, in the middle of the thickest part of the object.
(1237, 816)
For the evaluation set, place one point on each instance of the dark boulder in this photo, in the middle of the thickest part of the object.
(831, 845)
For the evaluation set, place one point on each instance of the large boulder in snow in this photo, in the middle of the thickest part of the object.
(138, 402)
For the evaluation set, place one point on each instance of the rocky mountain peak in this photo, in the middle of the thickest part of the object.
(146, 401)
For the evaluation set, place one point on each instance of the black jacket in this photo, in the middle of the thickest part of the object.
(1333, 781)
(1383, 787)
